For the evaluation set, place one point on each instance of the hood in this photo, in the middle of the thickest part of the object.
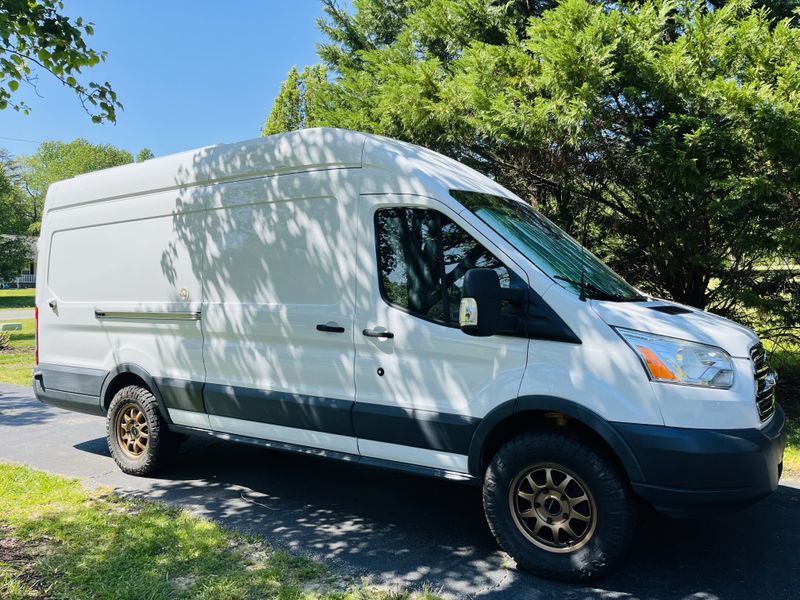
(677, 320)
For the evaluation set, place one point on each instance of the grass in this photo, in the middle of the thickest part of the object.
(17, 298)
(59, 540)
(24, 338)
(791, 458)
(16, 363)
(16, 369)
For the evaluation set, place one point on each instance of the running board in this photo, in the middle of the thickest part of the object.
(342, 456)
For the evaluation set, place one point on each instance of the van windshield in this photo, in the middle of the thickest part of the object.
(548, 247)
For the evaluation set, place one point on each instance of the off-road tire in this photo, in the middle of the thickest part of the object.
(614, 506)
(161, 444)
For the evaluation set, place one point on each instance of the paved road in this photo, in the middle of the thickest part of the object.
(15, 314)
(406, 530)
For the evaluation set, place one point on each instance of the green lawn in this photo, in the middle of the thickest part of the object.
(791, 459)
(17, 362)
(17, 298)
(59, 540)
(24, 338)
(16, 368)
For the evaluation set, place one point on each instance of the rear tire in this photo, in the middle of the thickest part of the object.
(138, 437)
(558, 506)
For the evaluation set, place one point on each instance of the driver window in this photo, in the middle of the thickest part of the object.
(422, 259)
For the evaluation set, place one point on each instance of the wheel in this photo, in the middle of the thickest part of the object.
(558, 506)
(138, 437)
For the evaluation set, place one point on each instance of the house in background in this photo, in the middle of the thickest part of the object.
(27, 276)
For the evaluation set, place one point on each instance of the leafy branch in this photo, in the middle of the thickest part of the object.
(34, 33)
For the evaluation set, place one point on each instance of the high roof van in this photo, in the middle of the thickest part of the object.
(330, 292)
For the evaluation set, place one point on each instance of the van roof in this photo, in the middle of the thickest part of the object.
(302, 150)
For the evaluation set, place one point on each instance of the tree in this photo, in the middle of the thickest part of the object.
(672, 128)
(54, 161)
(15, 205)
(285, 114)
(144, 154)
(35, 35)
(303, 101)
(15, 253)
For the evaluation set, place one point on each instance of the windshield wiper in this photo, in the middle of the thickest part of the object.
(597, 293)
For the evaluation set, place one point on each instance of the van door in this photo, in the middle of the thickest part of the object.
(422, 384)
(279, 283)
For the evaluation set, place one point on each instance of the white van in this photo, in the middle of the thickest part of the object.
(363, 299)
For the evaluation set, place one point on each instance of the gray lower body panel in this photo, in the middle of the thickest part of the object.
(70, 388)
(79, 389)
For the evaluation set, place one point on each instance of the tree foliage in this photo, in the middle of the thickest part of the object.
(303, 101)
(35, 35)
(15, 205)
(144, 154)
(672, 127)
(15, 254)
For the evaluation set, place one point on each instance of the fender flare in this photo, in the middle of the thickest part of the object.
(544, 403)
(144, 376)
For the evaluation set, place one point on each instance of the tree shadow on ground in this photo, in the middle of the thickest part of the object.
(18, 409)
(408, 530)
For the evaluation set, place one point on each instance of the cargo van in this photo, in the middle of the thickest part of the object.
(347, 295)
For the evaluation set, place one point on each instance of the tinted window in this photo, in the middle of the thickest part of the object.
(422, 257)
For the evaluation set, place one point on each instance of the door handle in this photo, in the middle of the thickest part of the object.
(330, 328)
(378, 334)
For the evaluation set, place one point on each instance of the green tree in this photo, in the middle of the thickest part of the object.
(15, 253)
(144, 154)
(303, 101)
(34, 35)
(286, 114)
(54, 161)
(315, 91)
(15, 206)
(672, 127)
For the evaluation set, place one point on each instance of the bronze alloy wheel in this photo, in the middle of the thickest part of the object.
(132, 430)
(552, 508)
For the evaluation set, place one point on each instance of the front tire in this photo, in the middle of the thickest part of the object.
(138, 437)
(558, 506)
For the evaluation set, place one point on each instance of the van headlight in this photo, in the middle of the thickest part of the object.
(680, 361)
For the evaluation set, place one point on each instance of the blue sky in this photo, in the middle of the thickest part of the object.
(190, 73)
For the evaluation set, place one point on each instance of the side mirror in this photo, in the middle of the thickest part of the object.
(479, 313)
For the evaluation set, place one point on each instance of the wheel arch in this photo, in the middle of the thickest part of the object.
(514, 416)
(130, 374)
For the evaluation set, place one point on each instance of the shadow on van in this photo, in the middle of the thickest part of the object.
(407, 530)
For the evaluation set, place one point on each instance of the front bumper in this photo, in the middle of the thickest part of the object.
(690, 472)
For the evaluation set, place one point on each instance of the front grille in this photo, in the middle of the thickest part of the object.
(765, 382)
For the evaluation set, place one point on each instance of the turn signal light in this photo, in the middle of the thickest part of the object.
(657, 368)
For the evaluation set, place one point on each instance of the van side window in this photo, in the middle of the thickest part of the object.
(422, 257)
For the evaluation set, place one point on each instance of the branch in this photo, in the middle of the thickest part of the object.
(79, 90)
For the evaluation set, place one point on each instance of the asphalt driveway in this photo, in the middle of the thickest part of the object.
(407, 530)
